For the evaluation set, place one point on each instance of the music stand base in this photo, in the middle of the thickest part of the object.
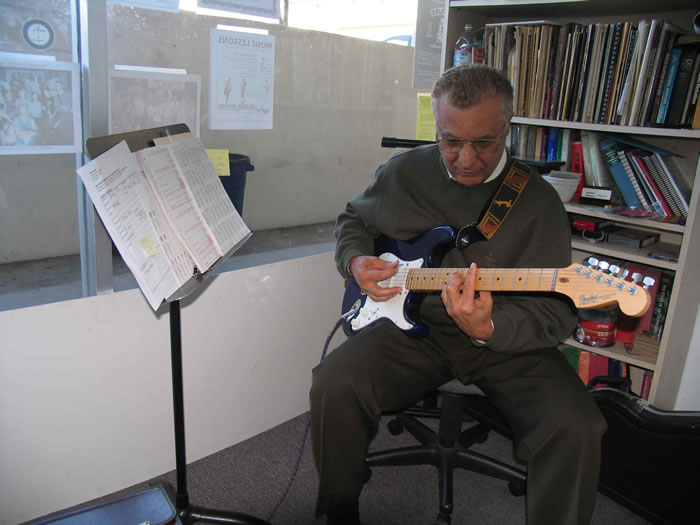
(189, 513)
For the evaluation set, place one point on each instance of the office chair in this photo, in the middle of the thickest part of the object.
(449, 447)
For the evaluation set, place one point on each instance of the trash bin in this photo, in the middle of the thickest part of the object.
(234, 184)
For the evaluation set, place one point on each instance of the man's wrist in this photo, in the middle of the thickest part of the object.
(482, 342)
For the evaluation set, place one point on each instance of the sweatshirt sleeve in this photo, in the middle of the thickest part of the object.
(354, 232)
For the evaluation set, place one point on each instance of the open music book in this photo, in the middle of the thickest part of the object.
(167, 212)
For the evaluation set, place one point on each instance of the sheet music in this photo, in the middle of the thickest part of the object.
(123, 199)
(171, 189)
(216, 207)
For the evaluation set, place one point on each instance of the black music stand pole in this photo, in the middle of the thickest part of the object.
(187, 512)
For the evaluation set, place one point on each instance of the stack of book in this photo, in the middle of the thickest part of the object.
(646, 74)
(647, 177)
(590, 365)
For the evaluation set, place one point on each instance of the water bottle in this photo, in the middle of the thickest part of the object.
(468, 48)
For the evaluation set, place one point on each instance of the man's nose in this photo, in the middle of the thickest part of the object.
(467, 155)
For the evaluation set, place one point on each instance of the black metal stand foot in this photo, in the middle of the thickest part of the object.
(187, 512)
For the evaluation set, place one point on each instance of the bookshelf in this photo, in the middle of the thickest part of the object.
(670, 364)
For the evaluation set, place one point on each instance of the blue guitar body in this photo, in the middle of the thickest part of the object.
(423, 251)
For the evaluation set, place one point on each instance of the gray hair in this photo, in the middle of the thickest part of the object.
(468, 85)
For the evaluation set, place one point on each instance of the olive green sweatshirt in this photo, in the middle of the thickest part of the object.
(413, 192)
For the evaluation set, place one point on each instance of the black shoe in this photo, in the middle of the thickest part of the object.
(346, 513)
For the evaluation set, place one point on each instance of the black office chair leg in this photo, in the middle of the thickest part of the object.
(445, 484)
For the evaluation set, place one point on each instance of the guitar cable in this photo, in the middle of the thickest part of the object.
(353, 310)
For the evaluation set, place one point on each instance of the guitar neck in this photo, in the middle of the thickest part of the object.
(487, 279)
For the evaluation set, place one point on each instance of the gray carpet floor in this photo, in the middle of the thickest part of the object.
(252, 476)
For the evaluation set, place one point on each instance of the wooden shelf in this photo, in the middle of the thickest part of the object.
(622, 252)
(628, 130)
(597, 211)
(616, 352)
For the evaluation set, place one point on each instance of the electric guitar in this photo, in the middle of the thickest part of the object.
(419, 273)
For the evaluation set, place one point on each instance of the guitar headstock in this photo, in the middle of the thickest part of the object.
(588, 287)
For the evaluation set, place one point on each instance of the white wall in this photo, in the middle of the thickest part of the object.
(85, 391)
(334, 99)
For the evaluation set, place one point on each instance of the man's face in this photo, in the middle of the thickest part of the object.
(471, 164)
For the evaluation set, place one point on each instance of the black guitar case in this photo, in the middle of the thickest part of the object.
(650, 458)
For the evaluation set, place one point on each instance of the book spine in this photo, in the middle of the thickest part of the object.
(646, 384)
(627, 186)
(584, 366)
(612, 62)
(668, 85)
(680, 87)
(663, 297)
(674, 191)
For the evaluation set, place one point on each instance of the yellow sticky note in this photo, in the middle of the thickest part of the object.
(146, 243)
(219, 158)
(425, 123)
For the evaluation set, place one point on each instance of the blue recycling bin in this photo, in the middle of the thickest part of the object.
(234, 184)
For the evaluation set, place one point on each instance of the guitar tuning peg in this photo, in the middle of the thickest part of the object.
(592, 262)
(625, 273)
(648, 282)
(603, 266)
(614, 269)
(637, 277)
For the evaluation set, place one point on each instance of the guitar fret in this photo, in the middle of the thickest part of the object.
(488, 279)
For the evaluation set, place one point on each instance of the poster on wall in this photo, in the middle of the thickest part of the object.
(242, 80)
(264, 8)
(39, 108)
(430, 31)
(146, 99)
(38, 27)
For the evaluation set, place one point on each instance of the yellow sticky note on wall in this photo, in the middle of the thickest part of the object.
(425, 122)
(219, 158)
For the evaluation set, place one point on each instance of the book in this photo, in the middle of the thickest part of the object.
(656, 202)
(693, 101)
(622, 101)
(597, 367)
(646, 384)
(629, 89)
(584, 366)
(571, 354)
(660, 306)
(166, 211)
(686, 64)
(667, 37)
(639, 161)
(552, 142)
(625, 181)
(648, 54)
(669, 81)
(694, 80)
(609, 73)
(595, 168)
(680, 198)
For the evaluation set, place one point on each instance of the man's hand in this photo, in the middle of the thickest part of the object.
(368, 271)
(472, 314)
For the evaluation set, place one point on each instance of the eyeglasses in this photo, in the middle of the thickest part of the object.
(480, 146)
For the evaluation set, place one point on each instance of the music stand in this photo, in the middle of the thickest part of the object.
(187, 512)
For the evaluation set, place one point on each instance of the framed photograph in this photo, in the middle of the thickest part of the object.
(145, 99)
(38, 27)
(39, 108)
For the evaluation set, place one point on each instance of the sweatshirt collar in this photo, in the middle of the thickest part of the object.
(496, 172)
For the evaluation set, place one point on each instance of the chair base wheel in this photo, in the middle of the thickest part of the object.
(443, 519)
(517, 488)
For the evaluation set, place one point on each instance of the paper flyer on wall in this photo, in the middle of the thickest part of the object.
(242, 80)
(166, 211)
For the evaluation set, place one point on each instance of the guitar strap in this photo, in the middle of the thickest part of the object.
(497, 211)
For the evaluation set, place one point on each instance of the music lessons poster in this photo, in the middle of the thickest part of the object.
(242, 80)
